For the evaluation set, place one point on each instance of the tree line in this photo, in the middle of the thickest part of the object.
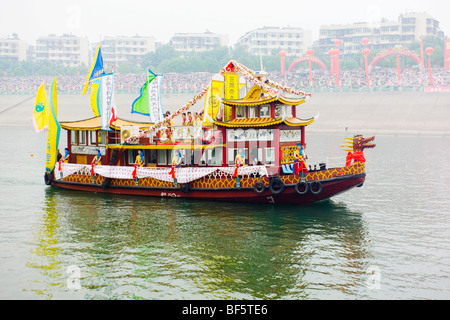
(165, 60)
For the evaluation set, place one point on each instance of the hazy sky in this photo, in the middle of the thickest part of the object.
(161, 19)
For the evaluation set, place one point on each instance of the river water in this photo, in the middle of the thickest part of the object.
(386, 240)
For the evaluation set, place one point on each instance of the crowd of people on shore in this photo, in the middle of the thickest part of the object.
(381, 78)
(196, 81)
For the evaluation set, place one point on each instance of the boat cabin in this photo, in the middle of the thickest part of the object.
(264, 126)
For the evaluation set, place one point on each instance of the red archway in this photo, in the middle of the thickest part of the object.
(312, 59)
(393, 52)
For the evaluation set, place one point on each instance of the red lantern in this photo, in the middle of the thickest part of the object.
(337, 42)
(429, 50)
(366, 52)
(365, 41)
(310, 52)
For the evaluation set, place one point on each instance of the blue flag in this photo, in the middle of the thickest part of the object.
(96, 69)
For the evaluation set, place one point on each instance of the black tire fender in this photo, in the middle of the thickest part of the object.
(315, 187)
(259, 187)
(301, 188)
(276, 186)
(48, 178)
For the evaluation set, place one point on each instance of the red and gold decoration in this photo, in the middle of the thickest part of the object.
(355, 147)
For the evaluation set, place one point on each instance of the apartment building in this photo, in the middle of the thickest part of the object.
(197, 42)
(116, 50)
(13, 48)
(383, 34)
(69, 50)
(266, 40)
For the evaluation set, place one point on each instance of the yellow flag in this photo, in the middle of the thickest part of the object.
(212, 101)
(53, 131)
(231, 85)
(95, 96)
(231, 91)
(40, 113)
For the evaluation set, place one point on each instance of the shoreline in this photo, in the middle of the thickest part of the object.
(380, 113)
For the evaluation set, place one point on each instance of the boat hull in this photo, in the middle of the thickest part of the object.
(321, 185)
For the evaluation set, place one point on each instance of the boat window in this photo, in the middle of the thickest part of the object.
(256, 156)
(278, 111)
(73, 137)
(132, 154)
(288, 111)
(202, 161)
(269, 156)
(82, 137)
(162, 157)
(151, 156)
(93, 138)
(265, 111)
(232, 155)
(240, 112)
(101, 137)
(253, 112)
(215, 157)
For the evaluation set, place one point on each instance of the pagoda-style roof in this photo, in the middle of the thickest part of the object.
(95, 123)
(249, 122)
(255, 98)
(264, 122)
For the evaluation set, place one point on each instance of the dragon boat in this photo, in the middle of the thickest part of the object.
(248, 148)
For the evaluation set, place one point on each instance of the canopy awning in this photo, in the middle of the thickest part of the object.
(95, 123)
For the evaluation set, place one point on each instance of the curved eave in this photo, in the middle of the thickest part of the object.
(249, 102)
(296, 122)
(94, 124)
(257, 102)
(292, 102)
(234, 124)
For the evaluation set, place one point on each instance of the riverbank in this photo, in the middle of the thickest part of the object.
(368, 113)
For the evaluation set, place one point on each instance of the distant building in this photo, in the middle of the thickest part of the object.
(294, 41)
(197, 42)
(116, 50)
(382, 35)
(13, 48)
(69, 50)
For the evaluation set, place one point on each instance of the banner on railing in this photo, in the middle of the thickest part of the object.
(183, 175)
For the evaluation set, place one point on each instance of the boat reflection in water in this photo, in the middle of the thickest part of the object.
(132, 247)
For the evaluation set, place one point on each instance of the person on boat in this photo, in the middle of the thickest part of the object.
(171, 122)
(66, 157)
(239, 161)
(176, 160)
(140, 158)
(97, 159)
(197, 120)
(299, 160)
(190, 120)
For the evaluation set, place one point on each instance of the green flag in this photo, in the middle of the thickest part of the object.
(141, 104)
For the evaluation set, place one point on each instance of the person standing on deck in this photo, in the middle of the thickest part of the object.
(97, 159)
(299, 161)
(140, 158)
(66, 157)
